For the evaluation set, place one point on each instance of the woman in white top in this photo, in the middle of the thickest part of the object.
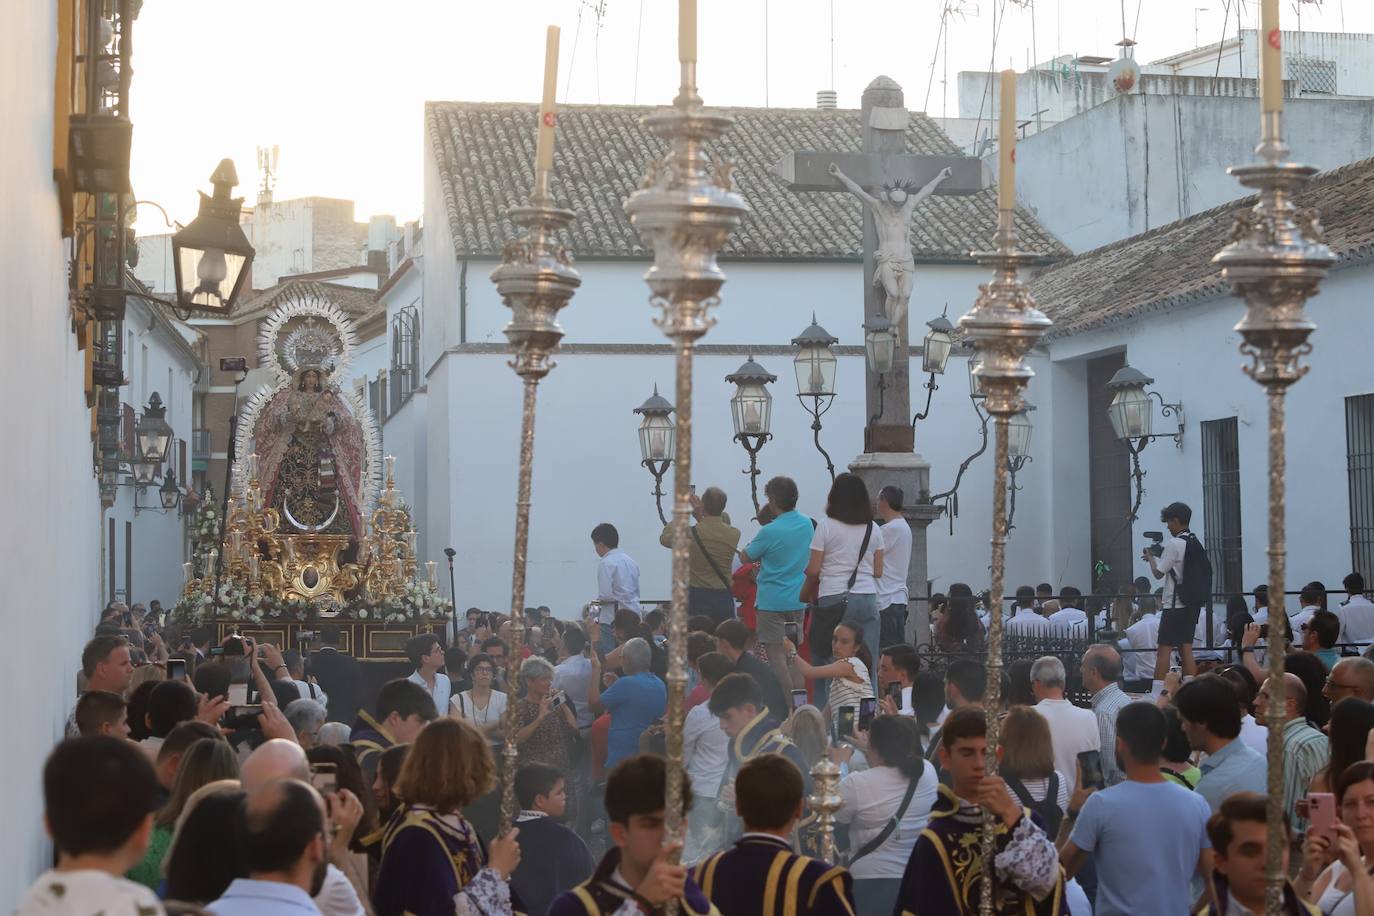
(482, 706)
(847, 575)
(1335, 869)
(848, 672)
(872, 798)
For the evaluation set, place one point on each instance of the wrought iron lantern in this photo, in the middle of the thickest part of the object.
(657, 442)
(938, 344)
(211, 256)
(975, 385)
(815, 362)
(169, 492)
(880, 344)
(1019, 433)
(1131, 412)
(657, 433)
(153, 433)
(752, 405)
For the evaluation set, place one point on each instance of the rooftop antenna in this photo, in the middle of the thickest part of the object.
(267, 167)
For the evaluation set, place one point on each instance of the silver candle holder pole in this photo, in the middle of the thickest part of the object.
(536, 280)
(1275, 260)
(1003, 325)
(685, 209)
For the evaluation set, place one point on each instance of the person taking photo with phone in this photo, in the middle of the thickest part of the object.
(1335, 859)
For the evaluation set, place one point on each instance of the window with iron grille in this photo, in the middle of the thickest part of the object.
(1313, 74)
(1359, 459)
(1221, 503)
(405, 355)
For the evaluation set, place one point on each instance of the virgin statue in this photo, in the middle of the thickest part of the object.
(311, 453)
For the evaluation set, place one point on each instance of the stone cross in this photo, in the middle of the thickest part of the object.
(889, 442)
(884, 163)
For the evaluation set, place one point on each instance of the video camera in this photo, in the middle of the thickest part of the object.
(307, 636)
(1157, 548)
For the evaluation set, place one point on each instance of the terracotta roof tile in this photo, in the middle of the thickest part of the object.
(357, 302)
(485, 155)
(1172, 265)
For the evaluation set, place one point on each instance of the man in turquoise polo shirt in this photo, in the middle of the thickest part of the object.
(782, 549)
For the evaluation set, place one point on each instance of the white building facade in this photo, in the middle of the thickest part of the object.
(456, 435)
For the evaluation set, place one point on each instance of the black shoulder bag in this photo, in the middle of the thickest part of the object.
(724, 579)
(825, 619)
(892, 824)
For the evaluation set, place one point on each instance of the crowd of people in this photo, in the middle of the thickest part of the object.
(231, 776)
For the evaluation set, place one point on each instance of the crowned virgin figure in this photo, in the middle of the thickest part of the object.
(311, 451)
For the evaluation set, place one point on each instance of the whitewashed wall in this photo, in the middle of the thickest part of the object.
(48, 544)
(158, 544)
(1192, 354)
(587, 469)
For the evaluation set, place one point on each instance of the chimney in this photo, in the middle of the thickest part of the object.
(827, 99)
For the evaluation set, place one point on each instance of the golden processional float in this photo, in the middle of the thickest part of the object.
(313, 529)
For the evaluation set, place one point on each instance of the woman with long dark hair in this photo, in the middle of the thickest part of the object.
(959, 628)
(847, 562)
(1351, 721)
(204, 856)
(900, 786)
(848, 675)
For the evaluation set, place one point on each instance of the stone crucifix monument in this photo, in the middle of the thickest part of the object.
(891, 183)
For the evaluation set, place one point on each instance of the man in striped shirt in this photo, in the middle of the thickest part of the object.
(1305, 750)
(1101, 672)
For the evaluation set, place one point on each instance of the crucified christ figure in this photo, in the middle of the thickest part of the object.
(894, 267)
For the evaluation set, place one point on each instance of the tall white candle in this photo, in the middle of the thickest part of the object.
(1271, 57)
(548, 113)
(687, 31)
(1006, 144)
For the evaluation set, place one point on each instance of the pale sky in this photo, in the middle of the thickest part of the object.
(340, 85)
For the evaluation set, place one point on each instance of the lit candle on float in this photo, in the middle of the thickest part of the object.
(1271, 57)
(432, 569)
(548, 113)
(253, 568)
(187, 571)
(1006, 144)
(253, 466)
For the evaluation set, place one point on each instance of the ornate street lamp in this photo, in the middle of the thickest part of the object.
(1018, 455)
(211, 256)
(935, 350)
(1131, 412)
(751, 408)
(152, 433)
(815, 366)
(145, 468)
(1132, 416)
(657, 442)
(975, 384)
(880, 344)
(169, 493)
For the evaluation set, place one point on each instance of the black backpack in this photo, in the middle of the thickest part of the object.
(1048, 808)
(1195, 589)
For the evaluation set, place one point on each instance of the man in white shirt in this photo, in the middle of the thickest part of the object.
(1357, 614)
(1142, 637)
(892, 587)
(897, 669)
(1311, 599)
(309, 690)
(617, 581)
(1177, 622)
(1065, 621)
(426, 653)
(99, 828)
(705, 752)
(1026, 621)
(1072, 730)
(573, 676)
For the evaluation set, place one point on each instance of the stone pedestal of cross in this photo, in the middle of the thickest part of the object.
(889, 439)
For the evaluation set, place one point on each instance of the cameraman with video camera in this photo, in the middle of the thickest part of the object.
(1181, 561)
